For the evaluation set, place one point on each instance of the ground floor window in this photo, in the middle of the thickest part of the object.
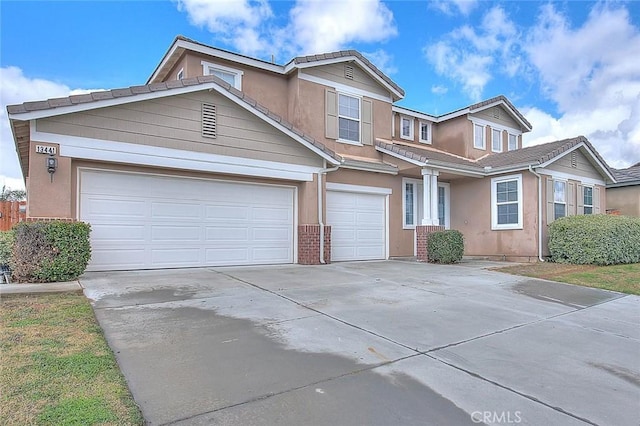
(587, 199)
(559, 199)
(506, 202)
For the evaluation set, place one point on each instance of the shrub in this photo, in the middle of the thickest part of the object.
(6, 246)
(595, 240)
(50, 251)
(445, 246)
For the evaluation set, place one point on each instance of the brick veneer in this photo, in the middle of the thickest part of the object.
(50, 219)
(309, 244)
(422, 232)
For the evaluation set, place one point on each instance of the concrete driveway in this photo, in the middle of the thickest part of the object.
(370, 343)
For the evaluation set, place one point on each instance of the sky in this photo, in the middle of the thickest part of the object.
(572, 67)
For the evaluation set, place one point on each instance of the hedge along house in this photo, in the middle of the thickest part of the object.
(222, 159)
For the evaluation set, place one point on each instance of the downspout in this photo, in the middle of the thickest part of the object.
(320, 209)
(539, 213)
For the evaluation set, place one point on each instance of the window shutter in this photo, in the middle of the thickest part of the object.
(209, 128)
(571, 199)
(331, 114)
(596, 200)
(367, 122)
(580, 193)
(550, 215)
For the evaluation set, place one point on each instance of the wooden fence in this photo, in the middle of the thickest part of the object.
(12, 212)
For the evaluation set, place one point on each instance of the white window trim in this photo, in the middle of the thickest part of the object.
(509, 134)
(429, 126)
(348, 141)
(447, 203)
(411, 125)
(206, 66)
(493, 130)
(566, 205)
(493, 125)
(494, 203)
(582, 195)
(484, 135)
(566, 176)
(180, 74)
(415, 183)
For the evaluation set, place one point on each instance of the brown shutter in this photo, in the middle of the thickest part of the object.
(550, 215)
(596, 199)
(580, 195)
(331, 110)
(367, 122)
(571, 199)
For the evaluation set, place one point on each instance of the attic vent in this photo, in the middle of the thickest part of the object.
(574, 159)
(496, 112)
(348, 72)
(208, 120)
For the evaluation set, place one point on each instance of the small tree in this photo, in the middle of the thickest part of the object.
(9, 194)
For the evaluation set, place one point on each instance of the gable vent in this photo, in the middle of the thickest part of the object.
(574, 159)
(496, 112)
(208, 120)
(348, 72)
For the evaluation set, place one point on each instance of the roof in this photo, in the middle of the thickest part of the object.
(181, 44)
(519, 159)
(21, 114)
(627, 177)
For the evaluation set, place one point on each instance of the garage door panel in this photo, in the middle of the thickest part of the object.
(177, 221)
(358, 225)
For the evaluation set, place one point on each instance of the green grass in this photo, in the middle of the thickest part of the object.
(621, 278)
(57, 367)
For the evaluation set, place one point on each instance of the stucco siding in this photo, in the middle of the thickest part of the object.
(625, 199)
(454, 136)
(583, 166)
(175, 122)
(336, 73)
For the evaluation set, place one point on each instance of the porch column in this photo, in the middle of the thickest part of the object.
(430, 197)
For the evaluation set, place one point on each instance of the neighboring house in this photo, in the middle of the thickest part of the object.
(222, 159)
(623, 197)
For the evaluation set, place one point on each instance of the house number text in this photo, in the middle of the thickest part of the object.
(43, 149)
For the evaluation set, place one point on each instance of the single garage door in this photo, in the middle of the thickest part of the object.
(141, 221)
(358, 225)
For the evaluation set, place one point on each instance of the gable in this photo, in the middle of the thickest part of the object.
(339, 72)
(575, 163)
(176, 122)
(498, 115)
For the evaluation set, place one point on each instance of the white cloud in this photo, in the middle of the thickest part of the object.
(439, 90)
(313, 26)
(472, 56)
(449, 7)
(382, 60)
(16, 88)
(595, 85)
(237, 21)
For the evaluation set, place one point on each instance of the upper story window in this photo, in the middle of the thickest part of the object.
(587, 199)
(559, 199)
(496, 140)
(230, 75)
(406, 128)
(513, 142)
(506, 202)
(348, 118)
(478, 136)
(425, 132)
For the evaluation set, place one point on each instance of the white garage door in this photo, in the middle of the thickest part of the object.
(143, 221)
(358, 225)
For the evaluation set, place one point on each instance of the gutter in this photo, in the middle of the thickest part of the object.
(320, 209)
(539, 213)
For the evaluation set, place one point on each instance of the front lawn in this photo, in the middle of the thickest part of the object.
(622, 278)
(57, 367)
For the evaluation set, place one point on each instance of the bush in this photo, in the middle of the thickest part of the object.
(595, 240)
(6, 246)
(50, 251)
(445, 246)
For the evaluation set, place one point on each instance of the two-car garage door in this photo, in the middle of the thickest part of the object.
(141, 221)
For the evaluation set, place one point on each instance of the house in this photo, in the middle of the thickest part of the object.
(623, 197)
(223, 159)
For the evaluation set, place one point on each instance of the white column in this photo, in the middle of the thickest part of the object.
(426, 197)
(434, 198)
